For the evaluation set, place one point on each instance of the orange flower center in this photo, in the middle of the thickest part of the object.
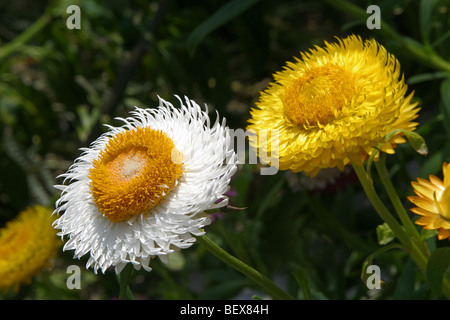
(318, 95)
(134, 172)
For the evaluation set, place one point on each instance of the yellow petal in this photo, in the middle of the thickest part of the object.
(423, 189)
(423, 212)
(446, 171)
(426, 204)
(443, 234)
(444, 203)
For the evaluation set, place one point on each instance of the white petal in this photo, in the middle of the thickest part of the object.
(209, 161)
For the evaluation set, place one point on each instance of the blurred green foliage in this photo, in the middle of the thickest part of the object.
(58, 86)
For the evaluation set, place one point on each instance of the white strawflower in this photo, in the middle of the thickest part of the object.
(141, 189)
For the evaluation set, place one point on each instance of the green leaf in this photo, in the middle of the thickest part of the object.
(426, 10)
(124, 279)
(441, 39)
(92, 96)
(427, 234)
(417, 142)
(433, 165)
(404, 289)
(445, 92)
(418, 78)
(384, 234)
(220, 17)
(301, 275)
(224, 289)
(437, 265)
(445, 106)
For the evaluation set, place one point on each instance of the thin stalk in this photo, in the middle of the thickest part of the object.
(398, 206)
(269, 287)
(124, 280)
(387, 217)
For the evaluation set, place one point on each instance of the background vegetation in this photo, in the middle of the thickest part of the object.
(58, 86)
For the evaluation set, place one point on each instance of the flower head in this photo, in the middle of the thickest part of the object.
(141, 189)
(27, 244)
(333, 106)
(433, 202)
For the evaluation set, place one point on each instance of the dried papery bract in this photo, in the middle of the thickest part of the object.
(333, 106)
(141, 189)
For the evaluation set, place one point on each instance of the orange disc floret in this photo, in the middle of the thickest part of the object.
(134, 172)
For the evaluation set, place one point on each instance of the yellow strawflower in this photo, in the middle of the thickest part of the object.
(333, 106)
(433, 202)
(27, 244)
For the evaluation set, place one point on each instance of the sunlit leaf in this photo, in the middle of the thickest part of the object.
(417, 142)
(384, 234)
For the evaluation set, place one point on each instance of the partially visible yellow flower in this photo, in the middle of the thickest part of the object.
(27, 244)
(433, 202)
(333, 106)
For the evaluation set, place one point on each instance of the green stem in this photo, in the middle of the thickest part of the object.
(25, 36)
(418, 51)
(270, 288)
(399, 208)
(124, 279)
(387, 217)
